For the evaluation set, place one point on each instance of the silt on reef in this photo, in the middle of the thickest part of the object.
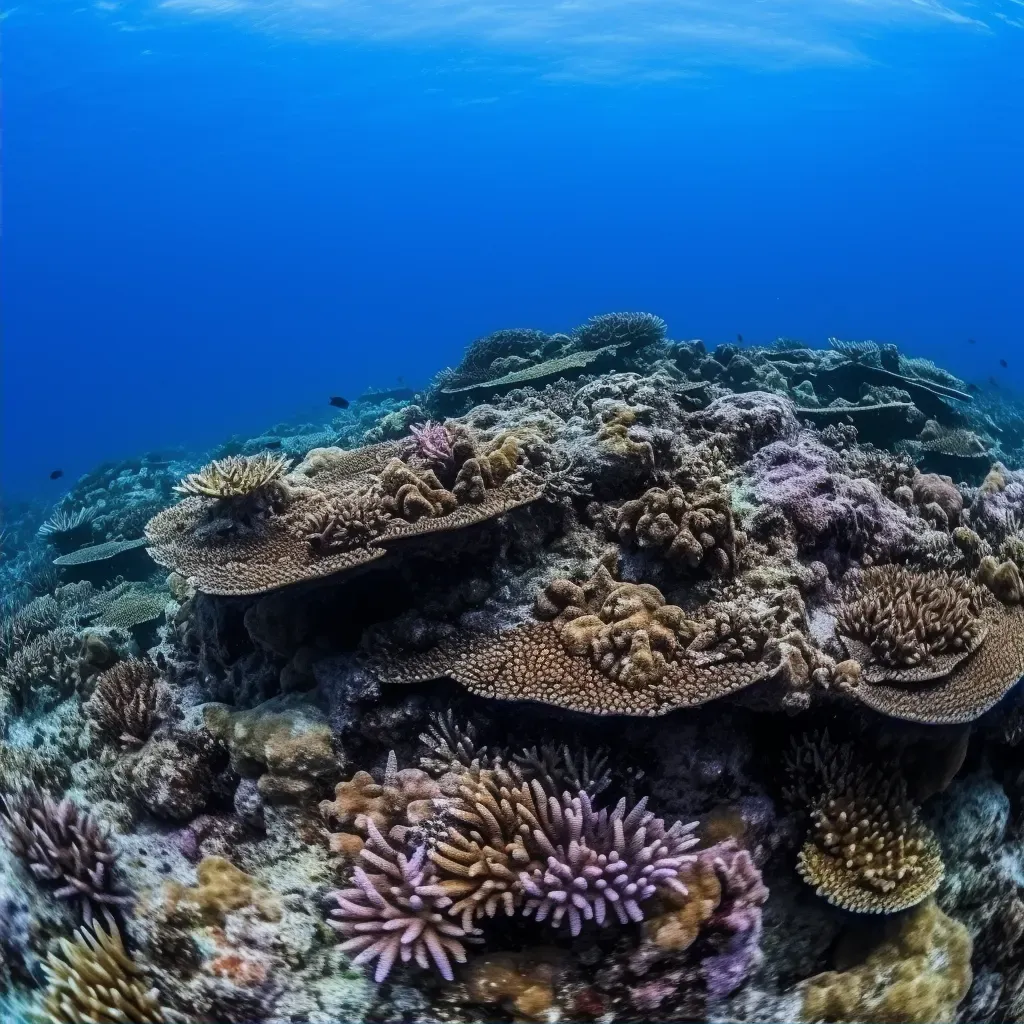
(609, 677)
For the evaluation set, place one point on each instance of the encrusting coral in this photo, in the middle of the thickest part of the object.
(94, 981)
(917, 974)
(65, 849)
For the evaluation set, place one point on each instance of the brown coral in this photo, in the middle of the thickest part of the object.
(1002, 578)
(221, 889)
(345, 510)
(868, 851)
(127, 702)
(917, 974)
(237, 476)
(692, 531)
(607, 648)
(908, 627)
(96, 981)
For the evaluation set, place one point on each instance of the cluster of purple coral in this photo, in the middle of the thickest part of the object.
(598, 862)
(433, 443)
(390, 915)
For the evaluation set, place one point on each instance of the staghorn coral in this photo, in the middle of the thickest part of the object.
(67, 530)
(692, 531)
(127, 702)
(433, 444)
(94, 981)
(65, 848)
(904, 626)
(389, 915)
(237, 476)
(634, 330)
(917, 974)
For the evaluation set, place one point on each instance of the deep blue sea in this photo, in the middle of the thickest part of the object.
(217, 213)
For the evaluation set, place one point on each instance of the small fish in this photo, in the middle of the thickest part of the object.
(56, 474)
(273, 444)
(739, 338)
(1003, 363)
(338, 402)
(970, 341)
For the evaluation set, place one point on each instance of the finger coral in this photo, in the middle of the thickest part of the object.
(389, 914)
(692, 531)
(237, 476)
(94, 980)
(126, 702)
(64, 848)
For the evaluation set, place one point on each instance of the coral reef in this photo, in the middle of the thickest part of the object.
(502, 699)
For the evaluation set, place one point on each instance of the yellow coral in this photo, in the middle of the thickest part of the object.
(917, 974)
(222, 888)
(237, 476)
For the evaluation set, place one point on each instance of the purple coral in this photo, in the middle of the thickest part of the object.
(803, 480)
(738, 919)
(433, 443)
(390, 915)
(598, 861)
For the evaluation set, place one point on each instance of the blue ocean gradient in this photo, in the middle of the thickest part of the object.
(217, 214)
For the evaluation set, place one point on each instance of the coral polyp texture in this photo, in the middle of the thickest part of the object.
(502, 698)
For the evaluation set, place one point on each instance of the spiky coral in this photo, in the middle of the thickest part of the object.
(433, 444)
(68, 530)
(96, 981)
(237, 476)
(392, 915)
(909, 626)
(65, 847)
(127, 702)
(599, 863)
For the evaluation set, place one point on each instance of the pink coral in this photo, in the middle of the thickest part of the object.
(433, 443)
(389, 915)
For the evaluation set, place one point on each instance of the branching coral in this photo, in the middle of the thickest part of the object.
(237, 476)
(692, 531)
(68, 530)
(390, 915)
(910, 627)
(598, 863)
(867, 849)
(433, 444)
(127, 702)
(63, 847)
(96, 981)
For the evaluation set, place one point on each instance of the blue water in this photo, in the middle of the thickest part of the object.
(212, 222)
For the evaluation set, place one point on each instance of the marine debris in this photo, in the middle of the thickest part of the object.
(504, 700)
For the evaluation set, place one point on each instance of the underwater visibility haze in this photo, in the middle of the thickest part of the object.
(512, 512)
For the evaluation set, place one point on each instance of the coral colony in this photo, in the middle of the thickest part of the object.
(607, 678)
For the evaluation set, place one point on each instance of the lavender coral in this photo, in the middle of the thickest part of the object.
(390, 916)
(598, 862)
(433, 444)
